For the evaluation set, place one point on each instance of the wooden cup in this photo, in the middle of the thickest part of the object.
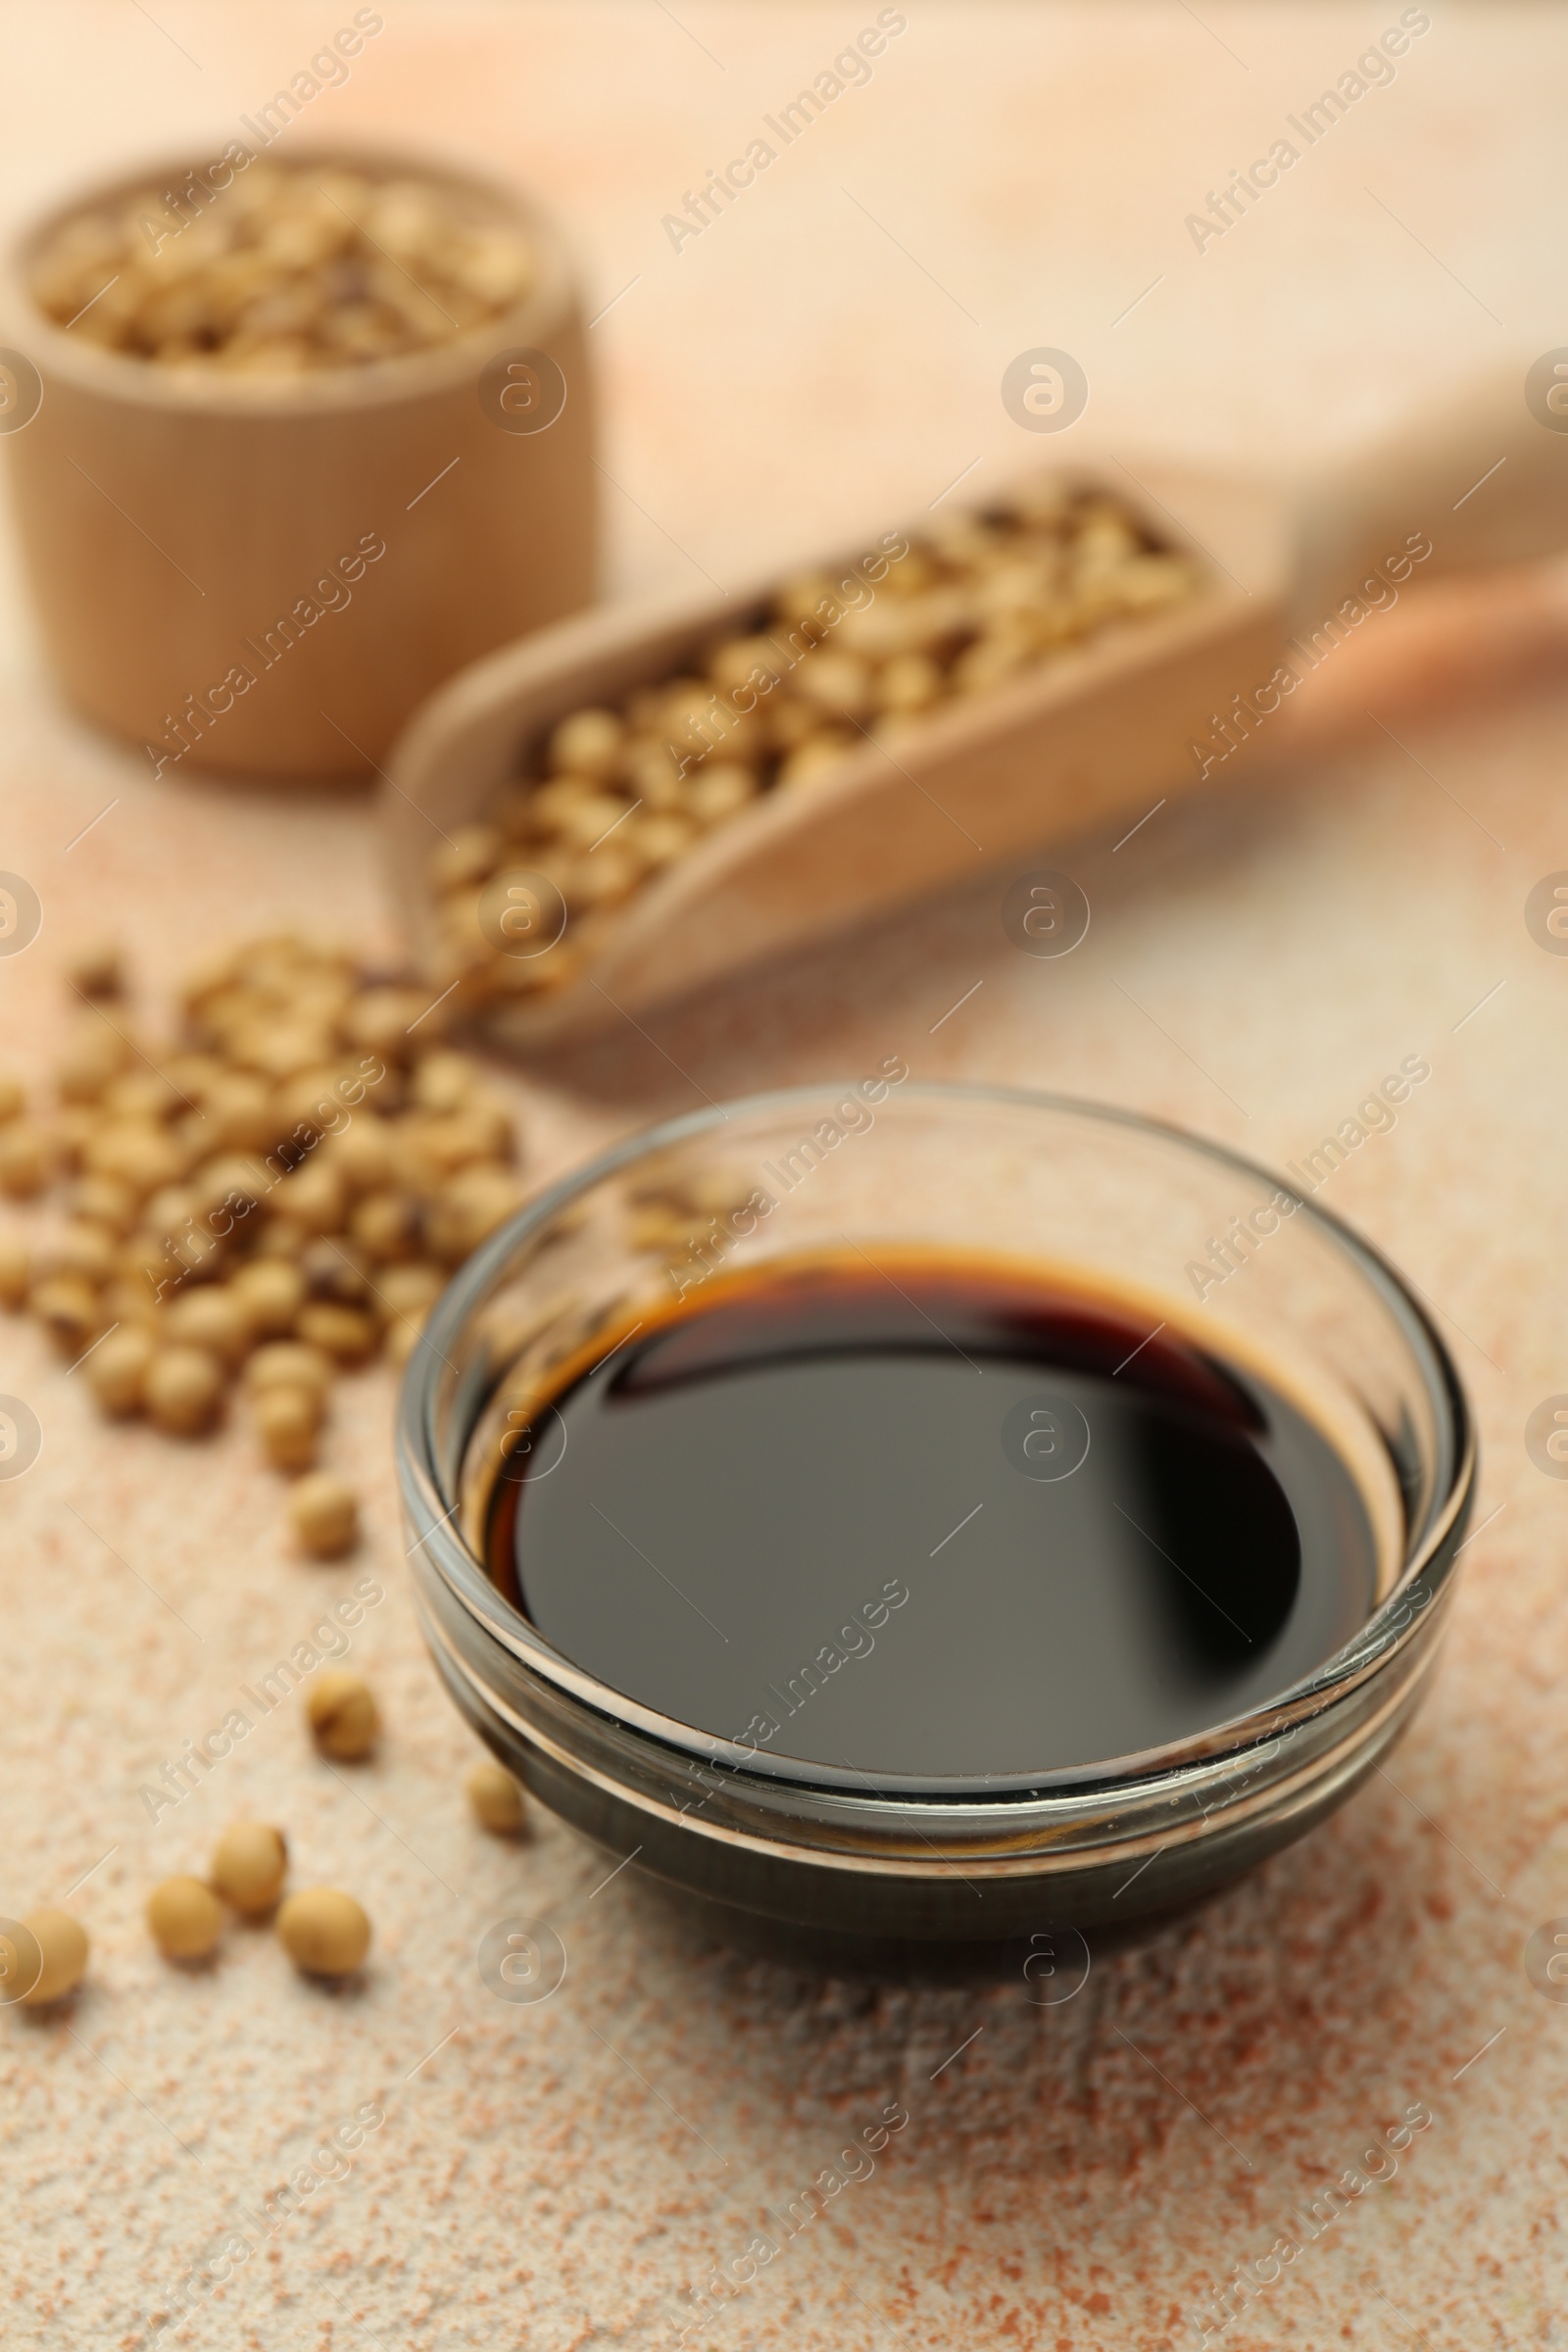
(266, 578)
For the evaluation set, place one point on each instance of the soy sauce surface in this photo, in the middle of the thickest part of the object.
(922, 1518)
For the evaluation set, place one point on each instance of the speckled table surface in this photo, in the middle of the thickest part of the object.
(1083, 2176)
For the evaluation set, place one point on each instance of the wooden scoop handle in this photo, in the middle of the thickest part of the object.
(1477, 474)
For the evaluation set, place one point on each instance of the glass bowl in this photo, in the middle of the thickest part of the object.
(1243, 1265)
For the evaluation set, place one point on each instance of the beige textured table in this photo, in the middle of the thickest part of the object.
(1081, 2175)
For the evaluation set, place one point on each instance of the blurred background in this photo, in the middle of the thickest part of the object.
(831, 349)
(1008, 175)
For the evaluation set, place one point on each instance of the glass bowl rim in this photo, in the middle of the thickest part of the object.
(1427, 1563)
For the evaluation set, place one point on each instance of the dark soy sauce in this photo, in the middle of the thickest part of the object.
(930, 1518)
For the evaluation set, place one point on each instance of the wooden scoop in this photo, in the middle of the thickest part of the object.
(1092, 737)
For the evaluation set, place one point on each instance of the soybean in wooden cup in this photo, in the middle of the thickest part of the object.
(291, 442)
